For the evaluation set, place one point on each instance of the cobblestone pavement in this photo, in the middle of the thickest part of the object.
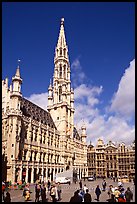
(68, 191)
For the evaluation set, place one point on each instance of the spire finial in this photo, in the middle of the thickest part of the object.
(62, 21)
(19, 62)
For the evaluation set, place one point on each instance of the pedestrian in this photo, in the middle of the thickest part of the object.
(120, 184)
(3, 189)
(110, 191)
(80, 184)
(53, 193)
(49, 185)
(81, 193)
(85, 188)
(7, 198)
(26, 192)
(97, 192)
(37, 192)
(128, 195)
(104, 184)
(76, 197)
(87, 196)
(59, 191)
(43, 193)
(116, 194)
(121, 198)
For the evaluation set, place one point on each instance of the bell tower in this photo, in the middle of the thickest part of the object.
(61, 95)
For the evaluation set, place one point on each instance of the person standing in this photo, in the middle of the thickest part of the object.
(37, 192)
(80, 184)
(104, 184)
(97, 192)
(59, 191)
(3, 189)
(49, 185)
(128, 195)
(116, 194)
(7, 198)
(43, 193)
(53, 193)
(85, 188)
(87, 196)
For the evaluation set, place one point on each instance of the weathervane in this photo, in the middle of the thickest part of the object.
(19, 62)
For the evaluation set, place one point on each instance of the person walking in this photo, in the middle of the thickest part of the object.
(53, 193)
(37, 192)
(27, 192)
(87, 196)
(80, 184)
(49, 185)
(121, 198)
(3, 189)
(97, 192)
(7, 198)
(116, 194)
(59, 191)
(85, 188)
(104, 184)
(43, 193)
(128, 195)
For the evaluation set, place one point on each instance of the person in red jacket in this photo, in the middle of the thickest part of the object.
(121, 198)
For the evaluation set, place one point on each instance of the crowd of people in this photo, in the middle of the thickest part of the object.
(45, 189)
(53, 191)
(119, 194)
(116, 194)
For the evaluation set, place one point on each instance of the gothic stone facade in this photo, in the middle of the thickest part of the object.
(37, 144)
(110, 160)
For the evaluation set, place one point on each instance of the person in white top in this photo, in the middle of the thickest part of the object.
(85, 188)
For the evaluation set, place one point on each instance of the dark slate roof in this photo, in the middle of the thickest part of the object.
(29, 109)
(76, 134)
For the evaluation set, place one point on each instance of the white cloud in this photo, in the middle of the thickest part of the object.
(107, 127)
(123, 101)
(78, 76)
(110, 126)
(39, 99)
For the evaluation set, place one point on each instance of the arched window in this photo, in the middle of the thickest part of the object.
(64, 71)
(60, 71)
(57, 52)
(64, 52)
(60, 51)
(60, 93)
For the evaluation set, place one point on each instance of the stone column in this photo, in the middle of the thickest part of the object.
(32, 175)
(20, 174)
(26, 178)
(13, 173)
(50, 173)
(46, 174)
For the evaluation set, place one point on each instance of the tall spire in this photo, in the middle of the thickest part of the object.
(18, 69)
(61, 39)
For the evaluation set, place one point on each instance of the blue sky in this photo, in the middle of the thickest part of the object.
(101, 42)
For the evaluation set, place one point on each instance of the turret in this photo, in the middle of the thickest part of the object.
(16, 90)
(83, 133)
(50, 98)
